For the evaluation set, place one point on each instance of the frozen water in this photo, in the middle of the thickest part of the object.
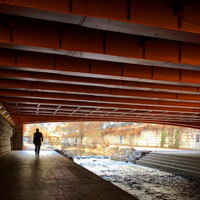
(143, 182)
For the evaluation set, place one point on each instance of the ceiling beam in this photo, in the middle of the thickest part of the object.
(93, 106)
(182, 7)
(130, 17)
(24, 119)
(136, 104)
(92, 69)
(113, 117)
(64, 39)
(92, 93)
(132, 115)
(42, 77)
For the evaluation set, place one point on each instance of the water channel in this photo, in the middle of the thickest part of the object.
(143, 182)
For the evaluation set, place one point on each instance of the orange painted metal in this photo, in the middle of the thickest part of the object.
(112, 9)
(51, 5)
(56, 98)
(88, 105)
(40, 62)
(23, 119)
(51, 37)
(67, 64)
(154, 12)
(107, 83)
(144, 13)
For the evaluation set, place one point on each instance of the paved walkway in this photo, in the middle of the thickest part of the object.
(51, 176)
(31, 147)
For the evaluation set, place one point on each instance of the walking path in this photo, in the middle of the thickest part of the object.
(51, 176)
(31, 147)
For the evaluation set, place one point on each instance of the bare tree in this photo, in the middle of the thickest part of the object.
(82, 127)
(79, 128)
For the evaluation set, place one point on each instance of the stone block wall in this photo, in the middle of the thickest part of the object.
(184, 138)
(17, 140)
(6, 131)
(187, 139)
(145, 138)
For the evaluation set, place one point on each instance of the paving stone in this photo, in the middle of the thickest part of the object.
(51, 177)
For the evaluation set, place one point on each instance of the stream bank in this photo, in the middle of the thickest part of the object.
(142, 182)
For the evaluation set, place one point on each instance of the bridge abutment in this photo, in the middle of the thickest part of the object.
(17, 139)
(6, 132)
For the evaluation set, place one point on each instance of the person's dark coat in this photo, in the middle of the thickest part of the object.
(37, 138)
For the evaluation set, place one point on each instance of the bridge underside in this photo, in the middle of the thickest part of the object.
(74, 60)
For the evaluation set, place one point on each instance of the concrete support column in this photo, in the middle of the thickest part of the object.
(17, 140)
(6, 131)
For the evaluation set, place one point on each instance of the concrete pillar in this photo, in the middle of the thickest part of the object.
(17, 139)
(6, 131)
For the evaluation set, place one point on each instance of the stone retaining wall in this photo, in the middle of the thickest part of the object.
(6, 131)
(18, 138)
(183, 138)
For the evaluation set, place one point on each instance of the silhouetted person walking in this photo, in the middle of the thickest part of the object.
(38, 138)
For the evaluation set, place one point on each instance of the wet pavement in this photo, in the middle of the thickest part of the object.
(143, 182)
(51, 177)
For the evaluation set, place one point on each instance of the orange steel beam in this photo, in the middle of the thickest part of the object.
(132, 116)
(106, 83)
(12, 107)
(134, 17)
(88, 105)
(98, 110)
(93, 92)
(40, 62)
(128, 118)
(96, 99)
(24, 119)
(184, 7)
(122, 118)
(63, 39)
(109, 117)
(154, 120)
(84, 111)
